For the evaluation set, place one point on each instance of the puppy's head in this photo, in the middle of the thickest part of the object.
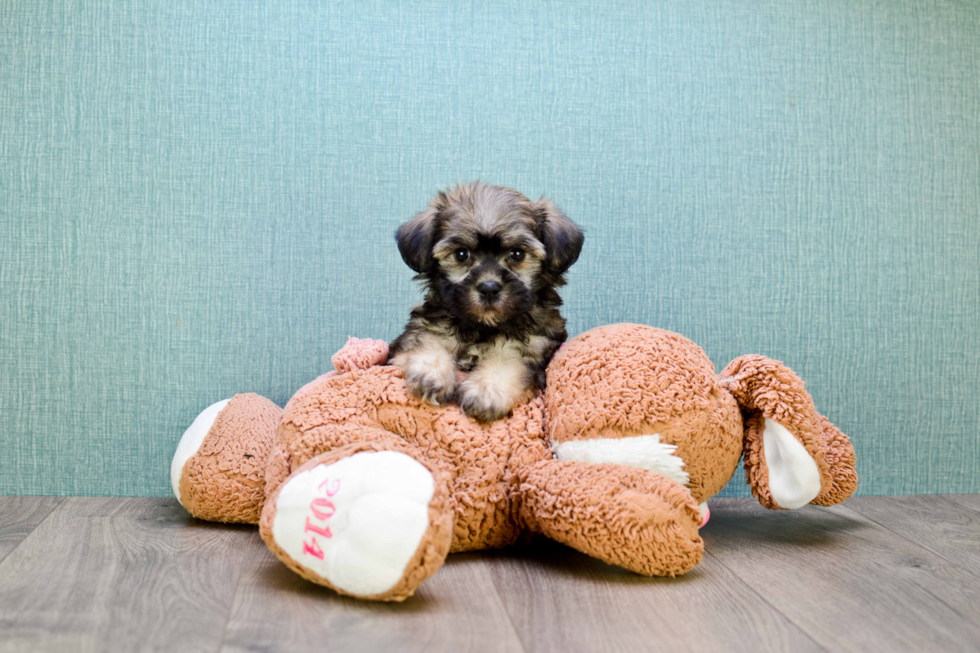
(488, 252)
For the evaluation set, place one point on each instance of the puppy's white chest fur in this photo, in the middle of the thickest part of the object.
(498, 351)
(498, 376)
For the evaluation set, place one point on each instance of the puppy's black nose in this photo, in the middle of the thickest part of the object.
(489, 290)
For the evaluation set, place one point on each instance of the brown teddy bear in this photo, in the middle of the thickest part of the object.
(360, 486)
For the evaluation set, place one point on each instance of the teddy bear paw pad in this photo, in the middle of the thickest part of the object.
(358, 522)
(190, 443)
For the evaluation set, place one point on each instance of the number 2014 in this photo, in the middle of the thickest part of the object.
(322, 509)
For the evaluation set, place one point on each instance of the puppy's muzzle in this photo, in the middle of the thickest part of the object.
(489, 291)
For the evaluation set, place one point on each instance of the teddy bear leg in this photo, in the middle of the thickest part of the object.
(622, 515)
(370, 519)
(218, 469)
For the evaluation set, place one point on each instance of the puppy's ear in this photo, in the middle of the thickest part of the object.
(562, 238)
(415, 239)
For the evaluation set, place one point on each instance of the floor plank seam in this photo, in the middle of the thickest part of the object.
(503, 606)
(945, 498)
(231, 604)
(920, 545)
(766, 601)
(109, 573)
(951, 608)
(61, 502)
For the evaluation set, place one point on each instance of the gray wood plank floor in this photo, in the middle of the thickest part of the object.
(875, 574)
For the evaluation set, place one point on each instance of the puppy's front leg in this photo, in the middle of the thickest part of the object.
(430, 370)
(495, 385)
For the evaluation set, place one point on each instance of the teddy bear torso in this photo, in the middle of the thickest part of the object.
(483, 460)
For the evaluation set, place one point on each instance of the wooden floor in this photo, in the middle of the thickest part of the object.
(875, 574)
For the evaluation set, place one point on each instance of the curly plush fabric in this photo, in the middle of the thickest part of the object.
(374, 405)
(360, 354)
(662, 383)
(767, 388)
(432, 549)
(658, 375)
(502, 477)
(621, 515)
(225, 480)
(840, 456)
(649, 389)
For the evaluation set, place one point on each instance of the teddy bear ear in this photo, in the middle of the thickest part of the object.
(781, 471)
(792, 455)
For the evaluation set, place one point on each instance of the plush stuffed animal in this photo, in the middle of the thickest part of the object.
(359, 486)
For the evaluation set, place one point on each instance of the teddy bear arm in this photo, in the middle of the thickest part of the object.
(300, 444)
(626, 516)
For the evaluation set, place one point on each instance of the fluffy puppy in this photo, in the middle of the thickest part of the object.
(490, 260)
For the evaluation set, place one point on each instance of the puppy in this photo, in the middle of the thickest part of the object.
(490, 260)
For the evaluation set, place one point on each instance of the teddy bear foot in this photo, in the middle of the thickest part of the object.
(370, 524)
(190, 443)
(218, 470)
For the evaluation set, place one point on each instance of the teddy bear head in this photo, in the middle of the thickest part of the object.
(635, 395)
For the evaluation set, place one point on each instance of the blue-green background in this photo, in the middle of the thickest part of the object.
(198, 198)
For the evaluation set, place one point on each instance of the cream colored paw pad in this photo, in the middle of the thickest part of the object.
(358, 522)
(191, 442)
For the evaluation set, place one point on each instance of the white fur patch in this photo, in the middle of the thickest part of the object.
(794, 478)
(431, 368)
(644, 451)
(499, 379)
(433, 362)
(191, 441)
(358, 522)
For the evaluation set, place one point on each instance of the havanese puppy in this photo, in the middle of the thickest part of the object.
(491, 261)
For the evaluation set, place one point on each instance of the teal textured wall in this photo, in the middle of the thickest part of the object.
(198, 198)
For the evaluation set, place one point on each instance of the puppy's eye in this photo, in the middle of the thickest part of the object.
(517, 255)
(462, 255)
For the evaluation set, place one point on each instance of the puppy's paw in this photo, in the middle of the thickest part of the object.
(435, 389)
(485, 399)
(430, 374)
